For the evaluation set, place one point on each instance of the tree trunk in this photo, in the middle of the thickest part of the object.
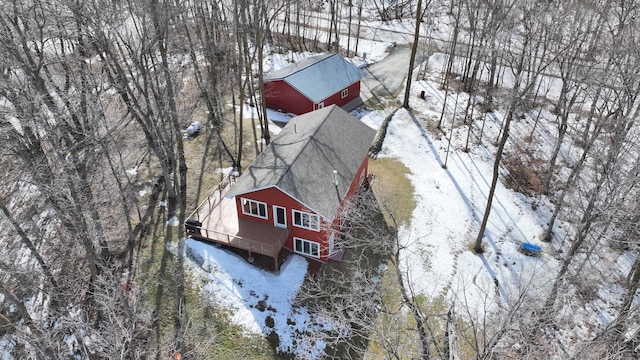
(515, 98)
(412, 59)
(29, 245)
(494, 182)
(413, 307)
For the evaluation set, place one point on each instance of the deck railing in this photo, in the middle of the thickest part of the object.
(196, 230)
(213, 199)
(235, 241)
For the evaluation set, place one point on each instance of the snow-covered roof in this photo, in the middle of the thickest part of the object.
(318, 77)
(301, 160)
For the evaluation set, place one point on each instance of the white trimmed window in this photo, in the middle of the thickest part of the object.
(332, 239)
(320, 105)
(306, 247)
(254, 208)
(306, 220)
(344, 93)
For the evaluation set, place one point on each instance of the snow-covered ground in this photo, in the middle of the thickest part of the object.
(449, 206)
(241, 287)
(450, 202)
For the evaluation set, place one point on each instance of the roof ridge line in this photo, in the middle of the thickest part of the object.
(326, 56)
(333, 107)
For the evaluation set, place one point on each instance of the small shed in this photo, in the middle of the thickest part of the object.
(314, 83)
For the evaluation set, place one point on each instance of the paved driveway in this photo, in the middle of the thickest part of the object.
(386, 78)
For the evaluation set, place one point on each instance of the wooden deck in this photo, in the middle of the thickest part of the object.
(220, 224)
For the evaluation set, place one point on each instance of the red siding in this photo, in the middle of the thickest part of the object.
(354, 92)
(281, 96)
(273, 196)
(362, 173)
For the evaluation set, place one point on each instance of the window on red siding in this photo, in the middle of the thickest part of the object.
(344, 93)
(306, 220)
(307, 247)
(254, 208)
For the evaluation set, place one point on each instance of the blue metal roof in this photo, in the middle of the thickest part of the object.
(319, 77)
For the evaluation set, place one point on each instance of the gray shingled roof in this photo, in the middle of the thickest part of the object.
(318, 77)
(301, 158)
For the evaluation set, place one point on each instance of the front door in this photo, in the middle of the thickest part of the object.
(279, 216)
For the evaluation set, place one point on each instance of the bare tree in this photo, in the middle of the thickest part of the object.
(412, 58)
(348, 296)
(573, 75)
(522, 84)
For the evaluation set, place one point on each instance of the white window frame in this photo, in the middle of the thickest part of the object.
(310, 244)
(320, 105)
(344, 93)
(332, 242)
(257, 207)
(275, 216)
(309, 221)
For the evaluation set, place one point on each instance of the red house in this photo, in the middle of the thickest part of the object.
(314, 83)
(292, 194)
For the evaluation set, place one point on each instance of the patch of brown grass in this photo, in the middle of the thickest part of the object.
(526, 172)
(393, 189)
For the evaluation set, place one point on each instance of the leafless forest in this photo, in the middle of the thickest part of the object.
(94, 99)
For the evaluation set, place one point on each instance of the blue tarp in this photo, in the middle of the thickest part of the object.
(531, 248)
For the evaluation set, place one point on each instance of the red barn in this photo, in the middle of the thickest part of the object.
(292, 194)
(314, 83)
